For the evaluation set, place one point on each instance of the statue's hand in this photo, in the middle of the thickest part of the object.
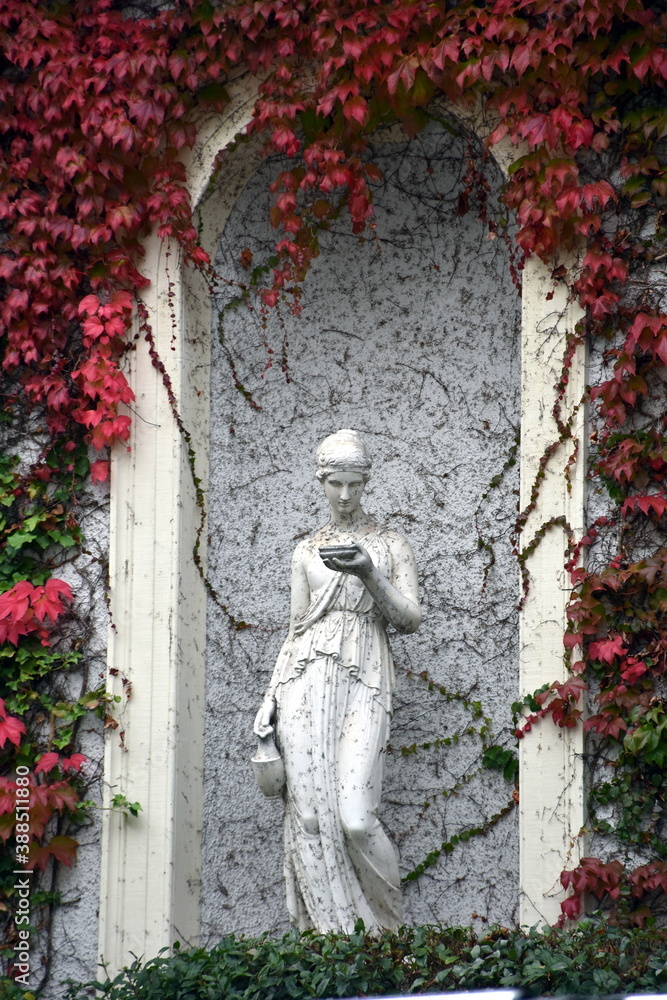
(264, 718)
(352, 558)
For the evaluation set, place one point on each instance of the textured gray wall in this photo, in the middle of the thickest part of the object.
(414, 342)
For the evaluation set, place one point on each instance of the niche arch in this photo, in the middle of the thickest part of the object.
(151, 865)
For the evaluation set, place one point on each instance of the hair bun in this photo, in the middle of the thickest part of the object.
(344, 450)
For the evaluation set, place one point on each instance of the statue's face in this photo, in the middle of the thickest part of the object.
(343, 491)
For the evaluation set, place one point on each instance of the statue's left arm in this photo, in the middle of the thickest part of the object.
(398, 598)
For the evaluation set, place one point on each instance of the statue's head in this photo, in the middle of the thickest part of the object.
(344, 451)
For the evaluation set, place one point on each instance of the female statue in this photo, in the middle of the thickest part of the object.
(330, 701)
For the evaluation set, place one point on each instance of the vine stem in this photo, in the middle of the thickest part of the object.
(236, 623)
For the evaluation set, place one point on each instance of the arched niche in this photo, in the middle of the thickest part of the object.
(412, 338)
(151, 866)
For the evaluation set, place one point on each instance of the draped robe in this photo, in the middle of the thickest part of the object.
(333, 684)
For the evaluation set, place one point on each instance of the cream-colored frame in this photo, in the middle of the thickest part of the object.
(150, 875)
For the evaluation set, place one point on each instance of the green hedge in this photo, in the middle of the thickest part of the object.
(591, 958)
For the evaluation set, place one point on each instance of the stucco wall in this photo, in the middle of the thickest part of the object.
(70, 945)
(412, 340)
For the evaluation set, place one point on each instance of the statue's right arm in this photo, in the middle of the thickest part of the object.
(300, 599)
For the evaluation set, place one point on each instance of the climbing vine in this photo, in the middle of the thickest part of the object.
(96, 104)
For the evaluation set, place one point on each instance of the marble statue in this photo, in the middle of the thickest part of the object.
(329, 704)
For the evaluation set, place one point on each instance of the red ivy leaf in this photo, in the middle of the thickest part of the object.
(63, 849)
(48, 602)
(651, 503)
(607, 649)
(47, 762)
(99, 471)
(11, 728)
(357, 108)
